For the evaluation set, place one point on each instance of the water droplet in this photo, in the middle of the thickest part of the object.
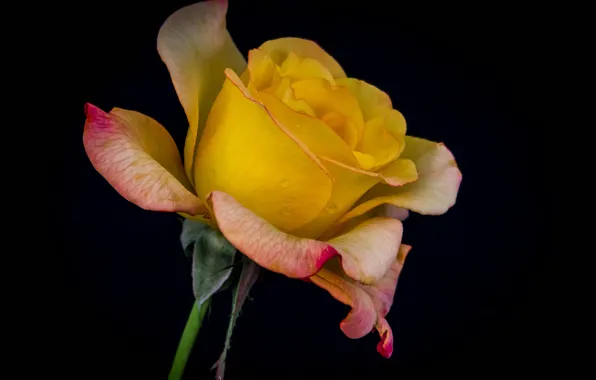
(284, 183)
(287, 210)
(331, 208)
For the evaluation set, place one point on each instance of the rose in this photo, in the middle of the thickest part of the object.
(290, 152)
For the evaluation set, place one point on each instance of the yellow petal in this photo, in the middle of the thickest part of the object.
(139, 158)
(433, 193)
(397, 173)
(348, 187)
(263, 72)
(296, 68)
(335, 105)
(279, 49)
(382, 140)
(311, 131)
(253, 157)
(196, 48)
(373, 102)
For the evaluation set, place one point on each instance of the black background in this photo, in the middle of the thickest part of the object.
(472, 297)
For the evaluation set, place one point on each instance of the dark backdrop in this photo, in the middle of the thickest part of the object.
(472, 297)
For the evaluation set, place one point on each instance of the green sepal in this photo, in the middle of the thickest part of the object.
(212, 258)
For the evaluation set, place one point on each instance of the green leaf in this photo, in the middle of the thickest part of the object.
(248, 276)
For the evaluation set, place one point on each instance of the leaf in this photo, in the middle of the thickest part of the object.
(248, 276)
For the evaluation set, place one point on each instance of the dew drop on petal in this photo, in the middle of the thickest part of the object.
(331, 207)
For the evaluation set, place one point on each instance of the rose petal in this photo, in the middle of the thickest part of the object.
(139, 158)
(433, 193)
(383, 291)
(394, 212)
(196, 48)
(348, 187)
(297, 68)
(248, 154)
(368, 250)
(335, 105)
(280, 48)
(363, 316)
(265, 244)
(385, 345)
(382, 139)
(370, 303)
(373, 102)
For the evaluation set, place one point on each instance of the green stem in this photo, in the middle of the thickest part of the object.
(191, 330)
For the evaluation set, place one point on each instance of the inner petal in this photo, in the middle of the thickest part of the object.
(342, 126)
(382, 140)
(297, 68)
(336, 106)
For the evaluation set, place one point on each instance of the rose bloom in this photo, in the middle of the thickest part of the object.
(293, 161)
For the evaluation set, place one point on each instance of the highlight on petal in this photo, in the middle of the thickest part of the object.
(433, 193)
(266, 245)
(368, 250)
(370, 303)
(196, 48)
(139, 158)
(280, 48)
(246, 152)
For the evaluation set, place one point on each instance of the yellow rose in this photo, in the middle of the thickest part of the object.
(280, 152)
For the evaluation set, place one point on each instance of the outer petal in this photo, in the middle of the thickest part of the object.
(265, 244)
(139, 158)
(433, 193)
(363, 316)
(249, 154)
(280, 48)
(368, 250)
(383, 291)
(196, 47)
(370, 304)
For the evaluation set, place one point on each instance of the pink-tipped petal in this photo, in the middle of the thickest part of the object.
(139, 158)
(266, 245)
(383, 291)
(385, 345)
(370, 303)
(369, 250)
(361, 319)
(196, 48)
(433, 193)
